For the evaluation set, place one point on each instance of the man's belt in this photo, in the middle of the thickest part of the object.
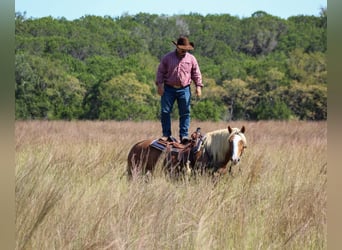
(175, 85)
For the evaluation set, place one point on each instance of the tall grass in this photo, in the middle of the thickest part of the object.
(72, 193)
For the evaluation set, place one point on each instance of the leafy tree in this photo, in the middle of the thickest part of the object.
(307, 102)
(239, 99)
(103, 68)
(208, 110)
(306, 32)
(308, 68)
(261, 33)
(47, 92)
(272, 108)
(125, 98)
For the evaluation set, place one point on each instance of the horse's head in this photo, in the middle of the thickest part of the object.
(237, 143)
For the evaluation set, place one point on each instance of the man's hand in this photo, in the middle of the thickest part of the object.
(161, 89)
(198, 91)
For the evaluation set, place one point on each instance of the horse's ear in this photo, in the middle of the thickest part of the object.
(230, 129)
(243, 129)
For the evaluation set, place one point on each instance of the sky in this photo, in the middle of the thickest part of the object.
(74, 9)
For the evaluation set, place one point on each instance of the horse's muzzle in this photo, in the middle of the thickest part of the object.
(235, 161)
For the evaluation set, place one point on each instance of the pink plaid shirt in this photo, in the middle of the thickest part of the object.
(173, 70)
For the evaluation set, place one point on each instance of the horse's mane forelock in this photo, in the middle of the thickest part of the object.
(238, 131)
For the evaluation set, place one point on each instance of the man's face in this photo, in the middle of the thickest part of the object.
(181, 52)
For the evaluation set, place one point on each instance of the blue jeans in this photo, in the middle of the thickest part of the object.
(169, 97)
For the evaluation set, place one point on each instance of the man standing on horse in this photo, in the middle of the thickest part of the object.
(174, 75)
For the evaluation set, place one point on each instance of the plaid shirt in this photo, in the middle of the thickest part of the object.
(174, 70)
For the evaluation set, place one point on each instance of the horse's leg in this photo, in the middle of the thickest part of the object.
(218, 172)
(230, 169)
(130, 162)
(222, 170)
(170, 164)
(152, 159)
(135, 162)
(188, 168)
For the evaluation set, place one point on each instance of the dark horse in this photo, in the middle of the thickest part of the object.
(177, 158)
(211, 152)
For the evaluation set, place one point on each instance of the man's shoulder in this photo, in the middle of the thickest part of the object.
(169, 54)
(191, 57)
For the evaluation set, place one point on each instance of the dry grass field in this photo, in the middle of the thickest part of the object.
(71, 191)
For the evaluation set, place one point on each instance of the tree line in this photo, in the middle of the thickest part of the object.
(254, 68)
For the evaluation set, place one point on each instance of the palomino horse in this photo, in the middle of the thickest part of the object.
(219, 148)
(177, 158)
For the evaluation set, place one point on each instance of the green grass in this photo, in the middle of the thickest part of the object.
(72, 193)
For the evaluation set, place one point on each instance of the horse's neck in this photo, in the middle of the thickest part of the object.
(217, 147)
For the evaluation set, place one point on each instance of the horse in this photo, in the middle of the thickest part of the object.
(176, 157)
(205, 153)
(218, 149)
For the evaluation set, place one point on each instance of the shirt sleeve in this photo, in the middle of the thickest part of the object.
(161, 71)
(196, 75)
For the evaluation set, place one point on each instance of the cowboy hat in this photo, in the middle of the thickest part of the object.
(183, 43)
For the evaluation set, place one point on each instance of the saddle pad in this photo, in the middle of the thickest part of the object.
(157, 145)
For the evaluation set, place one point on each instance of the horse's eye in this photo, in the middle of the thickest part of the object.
(244, 146)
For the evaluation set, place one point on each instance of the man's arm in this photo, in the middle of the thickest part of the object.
(196, 76)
